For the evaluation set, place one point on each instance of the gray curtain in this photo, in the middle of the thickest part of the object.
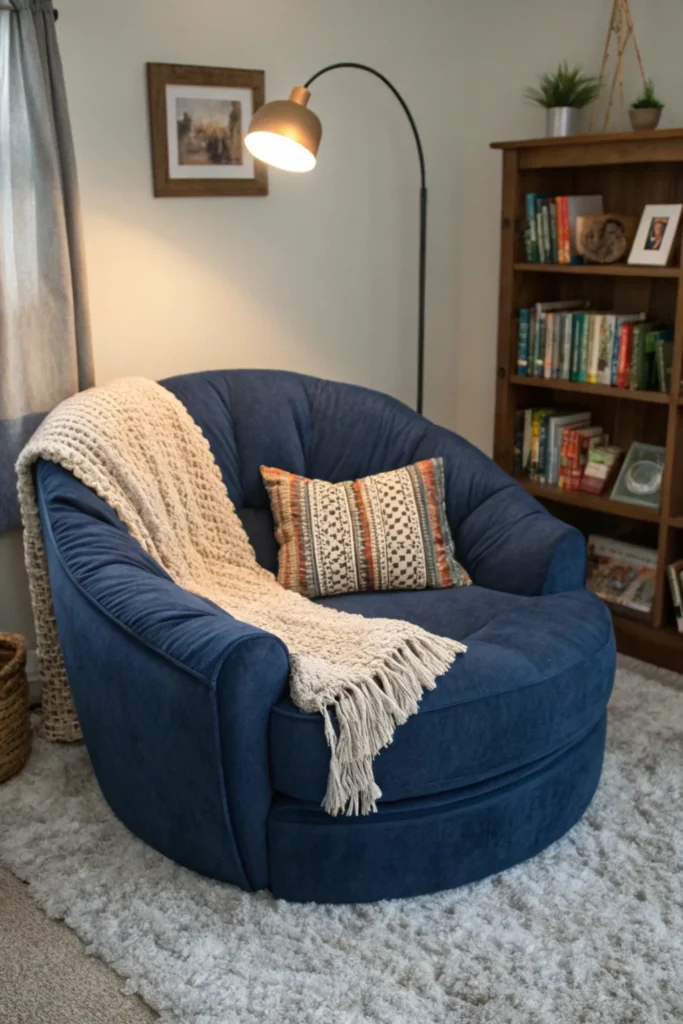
(45, 350)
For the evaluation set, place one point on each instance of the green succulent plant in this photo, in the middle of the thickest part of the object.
(648, 98)
(566, 87)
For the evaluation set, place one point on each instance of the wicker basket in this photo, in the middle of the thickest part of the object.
(15, 726)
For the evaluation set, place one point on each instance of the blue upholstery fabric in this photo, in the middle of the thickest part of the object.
(185, 712)
(502, 705)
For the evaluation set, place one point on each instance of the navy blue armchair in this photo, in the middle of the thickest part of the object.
(185, 710)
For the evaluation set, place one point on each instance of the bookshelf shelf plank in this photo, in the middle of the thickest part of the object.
(580, 388)
(676, 522)
(597, 270)
(596, 502)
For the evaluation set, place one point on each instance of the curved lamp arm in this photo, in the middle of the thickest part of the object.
(286, 134)
(389, 85)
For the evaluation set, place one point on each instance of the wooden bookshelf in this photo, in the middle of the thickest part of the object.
(630, 169)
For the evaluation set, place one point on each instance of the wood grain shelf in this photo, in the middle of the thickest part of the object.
(581, 388)
(629, 170)
(596, 270)
(596, 502)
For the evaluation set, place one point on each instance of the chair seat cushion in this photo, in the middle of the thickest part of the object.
(537, 676)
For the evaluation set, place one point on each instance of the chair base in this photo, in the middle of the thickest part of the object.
(420, 846)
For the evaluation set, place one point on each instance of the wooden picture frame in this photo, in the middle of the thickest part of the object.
(198, 119)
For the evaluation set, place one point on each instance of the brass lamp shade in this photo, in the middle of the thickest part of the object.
(285, 133)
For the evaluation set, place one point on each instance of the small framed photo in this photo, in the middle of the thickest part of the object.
(656, 234)
(640, 478)
(198, 119)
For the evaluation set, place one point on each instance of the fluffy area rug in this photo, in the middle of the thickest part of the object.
(589, 931)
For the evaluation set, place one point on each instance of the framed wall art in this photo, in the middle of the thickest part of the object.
(198, 119)
(656, 234)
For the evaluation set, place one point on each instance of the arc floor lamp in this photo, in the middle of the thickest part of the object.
(286, 134)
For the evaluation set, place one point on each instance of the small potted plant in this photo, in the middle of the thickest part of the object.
(647, 109)
(563, 93)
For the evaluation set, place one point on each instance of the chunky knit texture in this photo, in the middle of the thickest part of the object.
(136, 446)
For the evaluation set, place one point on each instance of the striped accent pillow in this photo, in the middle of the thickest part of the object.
(384, 532)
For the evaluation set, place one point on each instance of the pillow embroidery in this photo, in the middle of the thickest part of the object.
(382, 532)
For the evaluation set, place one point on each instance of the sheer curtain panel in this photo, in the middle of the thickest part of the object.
(45, 350)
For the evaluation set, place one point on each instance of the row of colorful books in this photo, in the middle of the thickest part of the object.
(550, 231)
(563, 341)
(564, 449)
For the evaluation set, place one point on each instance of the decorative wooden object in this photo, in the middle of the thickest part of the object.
(621, 27)
(629, 169)
(605, 237)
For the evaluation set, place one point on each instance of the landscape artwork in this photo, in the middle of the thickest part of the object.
(209, 132)
(199, 117)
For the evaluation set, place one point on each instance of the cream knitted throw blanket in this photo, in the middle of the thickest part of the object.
(136, 446)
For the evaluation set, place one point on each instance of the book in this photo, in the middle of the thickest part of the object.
(526, 443)
(545, 223)
(601, 465)
(523, 342)
(675, 575)
(540, 231)
(605, 348)
(639, 372)
(555, 423)
(550, 344)
(564, 369)
(586, 334)
(622, 574)
(537, 331)
(519, 442)
(563, 229)
(577, 330)
(579, 206)
(537, 415)
(530, 237)
(593, 348)
(587, 438)
(552, 216)
(625, 342)
(664, 353)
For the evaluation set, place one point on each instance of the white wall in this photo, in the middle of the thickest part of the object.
(320, 276)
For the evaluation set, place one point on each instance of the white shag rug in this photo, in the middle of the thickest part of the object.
(590, 932)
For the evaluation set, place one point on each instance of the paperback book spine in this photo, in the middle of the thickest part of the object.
(547, 243)
(625, 339)
(530, 235)
(540, 233)
(552, 213)
(577, 326)
(523, 342)
(593, 360)
(586, 335)
(566, 255)
(540, 344)
(616, 344)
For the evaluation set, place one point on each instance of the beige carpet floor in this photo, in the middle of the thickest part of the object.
(45, 976)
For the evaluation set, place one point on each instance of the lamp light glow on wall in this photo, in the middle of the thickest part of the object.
(286, 134)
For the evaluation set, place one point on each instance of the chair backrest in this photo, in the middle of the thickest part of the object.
(301, 424)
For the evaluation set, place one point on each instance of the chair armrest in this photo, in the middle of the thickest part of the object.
(505, 539)
(173, 694)
(513, 544)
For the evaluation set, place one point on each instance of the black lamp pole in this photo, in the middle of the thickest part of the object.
(423, 214)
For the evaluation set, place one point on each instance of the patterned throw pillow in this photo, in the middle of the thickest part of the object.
(384, 532)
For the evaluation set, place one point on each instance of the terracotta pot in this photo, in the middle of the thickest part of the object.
(644, 118)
